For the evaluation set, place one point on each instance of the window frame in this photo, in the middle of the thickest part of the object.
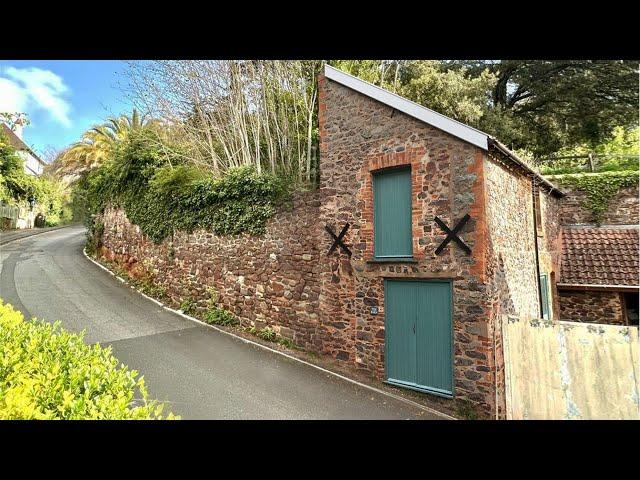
(545, 294)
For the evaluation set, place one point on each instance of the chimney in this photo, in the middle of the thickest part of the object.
(17, 129)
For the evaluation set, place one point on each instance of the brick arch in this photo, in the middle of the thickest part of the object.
(410, 157)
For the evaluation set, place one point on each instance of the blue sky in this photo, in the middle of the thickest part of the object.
(61, 98)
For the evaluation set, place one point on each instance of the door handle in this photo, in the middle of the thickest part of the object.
(414, 328)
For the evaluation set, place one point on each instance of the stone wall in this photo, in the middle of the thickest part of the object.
(358, 136)
(512, 243)
(592, 307)
(511, 250)
(623, 208)
(269, 280)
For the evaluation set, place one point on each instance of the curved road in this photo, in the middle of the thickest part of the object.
(201, 373)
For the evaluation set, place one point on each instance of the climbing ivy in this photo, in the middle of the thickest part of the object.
(599, 188)
(163, 194)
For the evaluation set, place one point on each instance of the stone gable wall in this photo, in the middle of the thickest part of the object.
(359, 136)
(623, 208)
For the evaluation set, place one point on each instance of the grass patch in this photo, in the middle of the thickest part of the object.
(188, 306)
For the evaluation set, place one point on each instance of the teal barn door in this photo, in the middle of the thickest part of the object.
(418, 333)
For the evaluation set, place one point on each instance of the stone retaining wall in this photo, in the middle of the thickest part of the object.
(268, 280)
(623, 208)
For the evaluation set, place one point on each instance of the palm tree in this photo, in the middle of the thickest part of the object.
(98, 142)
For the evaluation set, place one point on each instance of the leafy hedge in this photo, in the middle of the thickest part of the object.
(599, 188)
(47, 373)
(161, 194)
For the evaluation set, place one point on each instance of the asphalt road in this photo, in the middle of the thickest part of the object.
(201, 373)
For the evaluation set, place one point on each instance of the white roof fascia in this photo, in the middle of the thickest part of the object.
(446, 124)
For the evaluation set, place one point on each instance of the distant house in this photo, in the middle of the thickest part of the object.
(33, 165)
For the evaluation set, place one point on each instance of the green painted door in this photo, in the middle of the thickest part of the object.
(419, 335)
(392, 236)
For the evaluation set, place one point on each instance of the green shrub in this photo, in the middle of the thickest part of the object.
(161, 194)
(220, 316)
(285, 342)
(153, 290)
(16, 187)
(188, 306)
(48, 373)
(580, 166)
(268, 333)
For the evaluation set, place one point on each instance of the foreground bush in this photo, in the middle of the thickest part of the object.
(47, 373)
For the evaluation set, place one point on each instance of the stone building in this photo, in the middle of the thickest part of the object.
(417, 314)
(599, 267)
(423, 233)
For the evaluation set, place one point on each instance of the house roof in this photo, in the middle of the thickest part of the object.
(453, 127)
(16, 142)
(600, 257)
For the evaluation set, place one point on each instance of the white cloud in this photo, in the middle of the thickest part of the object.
(27, 89)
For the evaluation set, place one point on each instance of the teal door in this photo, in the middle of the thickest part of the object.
(419, 335)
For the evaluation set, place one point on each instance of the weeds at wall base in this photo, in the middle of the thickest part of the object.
(214, 315)
(466, 411)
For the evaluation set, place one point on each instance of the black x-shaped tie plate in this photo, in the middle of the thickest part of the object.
(453, 234)
(338, 240)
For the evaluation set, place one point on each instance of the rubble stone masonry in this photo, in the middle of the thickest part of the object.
(323, 302)
(359, 136)
(623, 208)
(592, 307)
(269, 280)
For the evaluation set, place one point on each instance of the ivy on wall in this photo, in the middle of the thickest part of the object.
(163, 195)
(599, 188)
